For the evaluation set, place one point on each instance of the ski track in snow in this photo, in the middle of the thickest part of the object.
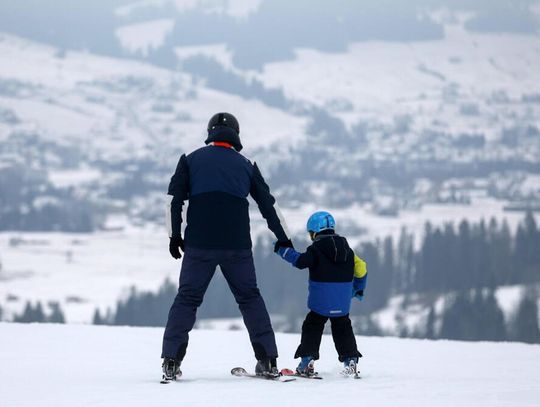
(67, 365)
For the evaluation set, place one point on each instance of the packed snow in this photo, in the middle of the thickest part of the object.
(56, 365)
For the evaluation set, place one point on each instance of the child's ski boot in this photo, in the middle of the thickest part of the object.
(171, 370)
(267, 367)
(351, 368)
(306, 367)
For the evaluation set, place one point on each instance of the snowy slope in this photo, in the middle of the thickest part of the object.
(54, 365)
(118, 108)
(426, 79)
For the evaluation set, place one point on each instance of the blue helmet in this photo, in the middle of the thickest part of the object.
(320, 221)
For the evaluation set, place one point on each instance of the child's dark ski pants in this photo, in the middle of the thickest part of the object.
(342, 333)
(198, 269)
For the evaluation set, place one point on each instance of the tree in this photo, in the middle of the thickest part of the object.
(492, 325)
(57, 316)
(527, 255)
(31, 314)
(525, 325)
(97, 319)
(403, 278)
(378, 279)
(473, 316)
(430, 324)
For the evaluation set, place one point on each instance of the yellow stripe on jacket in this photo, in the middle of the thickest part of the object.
(360, 268)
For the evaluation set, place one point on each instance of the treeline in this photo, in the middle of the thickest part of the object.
(481, 255)
(476, 316)
(461, 265)
(140, 308)
(464, 264)
(39, 313)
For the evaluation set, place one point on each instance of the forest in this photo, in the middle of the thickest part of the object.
(464, 263)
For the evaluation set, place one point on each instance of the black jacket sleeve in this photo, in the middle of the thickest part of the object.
(179, 189)
(307, 259)
(261, 194)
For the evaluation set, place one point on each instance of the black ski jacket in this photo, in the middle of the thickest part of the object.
(216, 181)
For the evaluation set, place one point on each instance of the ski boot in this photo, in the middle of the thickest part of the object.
(267, 367)
(171, 370)
(306, 367)
(351, 368)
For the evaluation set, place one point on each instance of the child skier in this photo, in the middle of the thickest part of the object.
(336, 275)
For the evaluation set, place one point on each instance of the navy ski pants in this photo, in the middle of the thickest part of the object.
(198, 269)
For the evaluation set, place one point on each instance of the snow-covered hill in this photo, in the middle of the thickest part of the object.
(54, 365)
(389, 127)
(119, 109)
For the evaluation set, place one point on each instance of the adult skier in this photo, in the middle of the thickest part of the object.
(216, 180)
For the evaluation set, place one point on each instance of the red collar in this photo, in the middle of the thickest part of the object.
(222, 144)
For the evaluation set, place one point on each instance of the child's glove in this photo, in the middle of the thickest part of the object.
(288, 254)
(359, 295)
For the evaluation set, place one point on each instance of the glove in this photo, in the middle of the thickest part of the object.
(284, 244)
(288, 254)
(359, 295)
(176, 242)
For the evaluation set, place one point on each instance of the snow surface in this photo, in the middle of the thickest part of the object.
(239, 9)
(77, 365)
(83, 99)
(144, 37)
(82, 271)
(384, 79)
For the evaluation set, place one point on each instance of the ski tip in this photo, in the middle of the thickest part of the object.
(238, 371)
(287, 372)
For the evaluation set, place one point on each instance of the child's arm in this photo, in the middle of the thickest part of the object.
(360, 278)
(298, 260)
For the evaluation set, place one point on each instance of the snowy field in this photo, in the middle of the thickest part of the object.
(55, 365)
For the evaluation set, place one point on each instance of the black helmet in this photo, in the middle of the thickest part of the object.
(224, 119)
(224, 127)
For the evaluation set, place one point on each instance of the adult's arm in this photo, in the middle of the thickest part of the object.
(260, 192)
(177, 193)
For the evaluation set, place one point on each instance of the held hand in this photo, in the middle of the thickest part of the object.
(288, 254)
(176, 243)
(283, 244)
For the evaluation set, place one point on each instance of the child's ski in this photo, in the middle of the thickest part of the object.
(348, 374)
(164, 380)
(289, 373)
(241, 372)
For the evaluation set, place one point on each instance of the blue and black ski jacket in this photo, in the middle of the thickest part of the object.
(336, 273)
(216, 180)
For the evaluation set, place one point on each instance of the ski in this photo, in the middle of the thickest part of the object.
(164, 380)
(291, 373)
(355, 375)
(241, 372)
